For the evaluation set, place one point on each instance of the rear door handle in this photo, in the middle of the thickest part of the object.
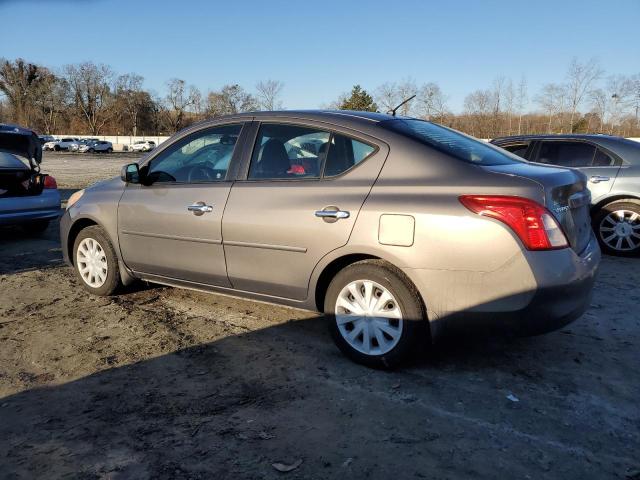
(598, 179)
(332, 214)
(200, 208)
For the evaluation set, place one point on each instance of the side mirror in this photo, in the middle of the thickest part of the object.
(130, 173)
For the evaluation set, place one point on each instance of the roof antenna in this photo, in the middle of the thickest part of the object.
(393, 112)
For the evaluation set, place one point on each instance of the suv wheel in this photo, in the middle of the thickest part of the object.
(376, 316)
(95, 261)
(617, 226)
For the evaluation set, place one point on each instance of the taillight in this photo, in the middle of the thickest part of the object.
(50, 182)
(532, 222)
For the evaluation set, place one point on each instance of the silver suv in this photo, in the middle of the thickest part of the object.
(395, 228)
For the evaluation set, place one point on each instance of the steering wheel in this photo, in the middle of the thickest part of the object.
(201, 173)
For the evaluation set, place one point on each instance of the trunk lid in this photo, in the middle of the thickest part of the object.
(566, 197)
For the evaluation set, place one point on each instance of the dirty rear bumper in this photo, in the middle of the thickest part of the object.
(558, 292)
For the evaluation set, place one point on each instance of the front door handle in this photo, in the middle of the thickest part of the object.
(332, 214)
(200, 208)
(598, 179)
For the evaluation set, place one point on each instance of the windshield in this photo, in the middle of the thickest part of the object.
(450, 142)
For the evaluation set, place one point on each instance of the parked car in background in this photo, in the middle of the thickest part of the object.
(27, 197)
(612, 167)
(395, 228)
(46, 138)
(142, 146)
(96, 146)
(50, 144)
(66, 143)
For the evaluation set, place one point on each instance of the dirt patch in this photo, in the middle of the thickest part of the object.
(165, 383)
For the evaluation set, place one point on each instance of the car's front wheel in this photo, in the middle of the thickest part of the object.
(376, 316)
(617, 226)
(95, 261)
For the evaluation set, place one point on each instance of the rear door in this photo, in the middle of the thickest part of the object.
(600, 167)
(171, 225)
(298, 200)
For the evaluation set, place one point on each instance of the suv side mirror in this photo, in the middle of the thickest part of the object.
(130, 173)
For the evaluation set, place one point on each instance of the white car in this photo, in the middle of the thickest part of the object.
(96, 146)
(142, 146)
(66, 143)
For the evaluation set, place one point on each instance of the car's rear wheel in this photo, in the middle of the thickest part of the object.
(617, 226)
(95, 261)
(376, 316)
(57, 148)
(109, 150)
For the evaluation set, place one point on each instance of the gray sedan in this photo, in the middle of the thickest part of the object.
(27, 197)
(398, 229)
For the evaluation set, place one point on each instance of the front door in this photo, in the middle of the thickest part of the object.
(303, 191)
(171, 224)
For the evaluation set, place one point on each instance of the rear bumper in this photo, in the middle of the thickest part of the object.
(536, 293)
(19, 210)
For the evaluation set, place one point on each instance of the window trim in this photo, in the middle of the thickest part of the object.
(236, 157)
(243, 175)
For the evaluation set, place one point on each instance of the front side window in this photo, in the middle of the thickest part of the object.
(567, 154)
(201, 157)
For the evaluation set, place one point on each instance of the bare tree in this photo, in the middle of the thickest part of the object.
(600, 105)
(509, 103)
(521, 101)
(229, 100)
(386, 96)
(129, 91)
(580, 78)
(479, 105)
(91, 87)
(406, 89)
(18, 81)
(432, 102)
(178, 101)
(552, 100)
(50, 100)
(269, 94)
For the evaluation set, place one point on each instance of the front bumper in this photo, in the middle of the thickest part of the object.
(536, 293)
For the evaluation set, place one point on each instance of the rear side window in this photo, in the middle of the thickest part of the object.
(450, 142)
(567, 154)
(519, 149)
(344, 153)
(294, 151)
(603, 159)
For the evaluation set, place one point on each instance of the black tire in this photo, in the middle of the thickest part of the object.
(57, 148)
(600, 221)
(35, 228)
(109, 150)
(112, 281)
(414, 319)
(91, 150)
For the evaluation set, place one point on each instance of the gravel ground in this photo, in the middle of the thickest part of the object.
(166, 383)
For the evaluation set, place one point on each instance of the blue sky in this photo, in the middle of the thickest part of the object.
(319, 49)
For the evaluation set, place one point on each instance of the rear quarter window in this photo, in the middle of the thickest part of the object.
(450, 142)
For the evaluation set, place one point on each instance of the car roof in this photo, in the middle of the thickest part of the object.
(341, 117)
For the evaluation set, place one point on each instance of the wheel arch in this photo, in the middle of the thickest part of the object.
(80, 224)
(614, 198)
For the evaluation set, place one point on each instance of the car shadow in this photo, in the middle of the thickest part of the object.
(232, 407)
